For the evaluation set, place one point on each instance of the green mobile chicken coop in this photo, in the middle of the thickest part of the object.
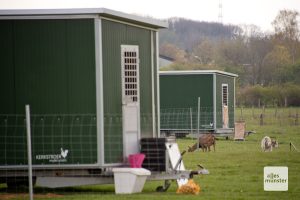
(201, 100)
(90, 77)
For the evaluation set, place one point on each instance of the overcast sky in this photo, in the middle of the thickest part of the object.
(258, 12)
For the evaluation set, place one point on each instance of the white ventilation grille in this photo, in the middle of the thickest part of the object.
(225, 94)
(130, 70)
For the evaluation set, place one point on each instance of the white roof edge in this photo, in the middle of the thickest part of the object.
(83, 11)
(156, 22)
(197, 72)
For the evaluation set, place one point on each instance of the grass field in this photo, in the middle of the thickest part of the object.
(236, 171)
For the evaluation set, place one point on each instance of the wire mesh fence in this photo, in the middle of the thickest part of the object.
(182, 121)
(57, 139)
(187, 118)
(274, 116)
(61, 145)
(64, 146)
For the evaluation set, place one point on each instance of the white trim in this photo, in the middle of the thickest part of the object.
(49, 17)
(144, 20)
(152, 83)
(85, 11)
(215, 100)
(59, 11)
(128, 23)
(234, 100)
(54, 166)
(191, 72)
(99, 91)
(112, 164)
(157, 84)
(222, 98)
(134, 48)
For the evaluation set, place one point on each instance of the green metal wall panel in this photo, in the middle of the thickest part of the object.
(50, 64)
(7, 84)
(113, 36)
(142, 38)
(56, 60)
(40, 67)
(221, 79)
(179, 93)
(81, 66)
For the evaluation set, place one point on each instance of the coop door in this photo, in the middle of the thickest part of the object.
(225, 105)
(130, 99)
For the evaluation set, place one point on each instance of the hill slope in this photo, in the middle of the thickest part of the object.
(185, 33)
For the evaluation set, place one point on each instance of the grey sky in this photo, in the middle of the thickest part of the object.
(258, 12)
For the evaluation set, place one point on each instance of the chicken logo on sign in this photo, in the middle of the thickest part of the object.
(54, 158)
(64, 153)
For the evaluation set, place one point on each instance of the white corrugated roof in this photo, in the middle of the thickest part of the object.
(6, 14)
(197, 72)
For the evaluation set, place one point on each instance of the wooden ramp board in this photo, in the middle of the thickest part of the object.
(239, 130)
(175, 156)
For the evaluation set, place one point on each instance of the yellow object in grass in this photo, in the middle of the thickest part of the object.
(190, 188)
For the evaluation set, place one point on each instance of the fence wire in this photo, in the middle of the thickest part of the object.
(71, 140)
(277, 116)
(63, 145)
(187, 118)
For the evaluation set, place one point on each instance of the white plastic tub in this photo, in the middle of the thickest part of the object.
(130, 180)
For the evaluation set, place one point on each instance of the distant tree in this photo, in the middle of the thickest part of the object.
(232, 52)
(186, 33)
(257, 49)
(172, 51)
(295, 72)
(274, 64)
(286, 26)
(204, 52)
(250, 31)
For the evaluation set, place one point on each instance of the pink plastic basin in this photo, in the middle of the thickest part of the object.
(136, 160)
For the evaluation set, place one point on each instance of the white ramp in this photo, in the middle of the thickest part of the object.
(174, 156)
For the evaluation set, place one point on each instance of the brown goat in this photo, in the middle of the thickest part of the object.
(205, 142)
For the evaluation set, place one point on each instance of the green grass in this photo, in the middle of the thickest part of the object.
(236, 170)
(237, 167)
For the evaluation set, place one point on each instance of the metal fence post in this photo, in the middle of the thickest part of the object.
(191, 117)
(261, 119)
(198, 123)
(241, 117)
(28, 130)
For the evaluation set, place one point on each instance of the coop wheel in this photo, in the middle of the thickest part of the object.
(165, 187)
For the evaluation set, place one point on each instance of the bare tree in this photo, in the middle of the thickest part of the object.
(204, 52)
(287, 30)
(172, 51)
(274, 63)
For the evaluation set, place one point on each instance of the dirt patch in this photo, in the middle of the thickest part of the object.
(9, 196)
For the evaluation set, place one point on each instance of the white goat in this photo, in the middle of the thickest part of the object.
(267, 143)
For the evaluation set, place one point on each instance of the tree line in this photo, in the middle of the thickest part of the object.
(268, 64)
